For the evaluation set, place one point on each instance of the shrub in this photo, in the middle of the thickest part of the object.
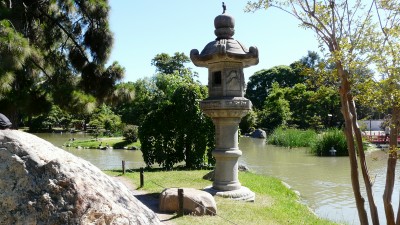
(130, 133)
(331, 138)
(248, 122)
(178, 132)
(106, 121)
(290, 137)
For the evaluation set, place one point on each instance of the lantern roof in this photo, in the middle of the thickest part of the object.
(225, 48)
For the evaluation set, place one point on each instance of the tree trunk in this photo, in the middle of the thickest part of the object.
(344, 91)
(363, 163)
(12, 115)
(398, 216)
(391, 167)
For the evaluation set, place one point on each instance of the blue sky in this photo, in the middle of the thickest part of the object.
(143, 29)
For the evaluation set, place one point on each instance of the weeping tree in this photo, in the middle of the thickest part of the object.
(53, 52)
(344, 28)
(177, 131)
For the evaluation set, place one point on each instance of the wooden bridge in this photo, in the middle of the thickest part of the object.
(378, 137)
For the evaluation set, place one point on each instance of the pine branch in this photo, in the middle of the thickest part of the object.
(67, 33)
(41, 68)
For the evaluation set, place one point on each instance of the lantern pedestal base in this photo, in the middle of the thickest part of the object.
(242, 194)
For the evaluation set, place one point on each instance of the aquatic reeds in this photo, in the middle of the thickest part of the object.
(333, 138)
(292, 138)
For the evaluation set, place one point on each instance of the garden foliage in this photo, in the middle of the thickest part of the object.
(290, 137)
(130, 133)
(177, 132)
(333, 138)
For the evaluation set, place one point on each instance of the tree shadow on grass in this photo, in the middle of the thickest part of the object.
(121, 145)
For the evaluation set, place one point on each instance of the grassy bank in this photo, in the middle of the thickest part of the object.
(275, 204)
(95, 143)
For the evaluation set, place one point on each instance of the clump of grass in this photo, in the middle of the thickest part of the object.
(331, 138)
(291, 137)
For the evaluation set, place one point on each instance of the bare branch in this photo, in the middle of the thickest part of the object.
(380, 22)
(317, 19)
(358, 31)
(308, 7)
(339, 18)
(314, 6)
(332, 5)
(286, 11)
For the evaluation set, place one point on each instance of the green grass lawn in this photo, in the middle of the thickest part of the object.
(275, 204)
(115, 142)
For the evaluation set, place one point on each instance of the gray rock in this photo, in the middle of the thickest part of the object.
(195, 201)
(243, 168)
(259, 134)
(43, 184)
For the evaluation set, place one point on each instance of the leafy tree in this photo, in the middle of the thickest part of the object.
(50, 51)
(301, 106)
(317, 71)
(152, 93)
(326, 101)
(55, 118)
(276, 111)
(388, 63)
(135, 111)
(345, 29)
(319, 108)
(104, 118)
(172, 128)
(123, 94)
(121, 100)
(167, 64)
(260, 84)
(178, 131)
(312, 60)
(14, 49)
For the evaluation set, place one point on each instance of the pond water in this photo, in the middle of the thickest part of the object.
(323, 182)
(104, 159)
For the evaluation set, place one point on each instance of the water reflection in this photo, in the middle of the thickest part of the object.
(324, 182)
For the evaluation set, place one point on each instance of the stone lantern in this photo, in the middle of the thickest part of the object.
(225, 59)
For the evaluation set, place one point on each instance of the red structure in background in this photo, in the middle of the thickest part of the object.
(378, 137)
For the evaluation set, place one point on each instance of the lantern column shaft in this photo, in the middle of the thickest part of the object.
(226, 154)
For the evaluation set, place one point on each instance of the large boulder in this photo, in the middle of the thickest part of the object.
(195, 201)
(259, 133)
(43, 184)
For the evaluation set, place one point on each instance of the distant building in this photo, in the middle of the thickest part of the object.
(372, 125)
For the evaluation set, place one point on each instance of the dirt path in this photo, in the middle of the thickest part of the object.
(147, 199)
